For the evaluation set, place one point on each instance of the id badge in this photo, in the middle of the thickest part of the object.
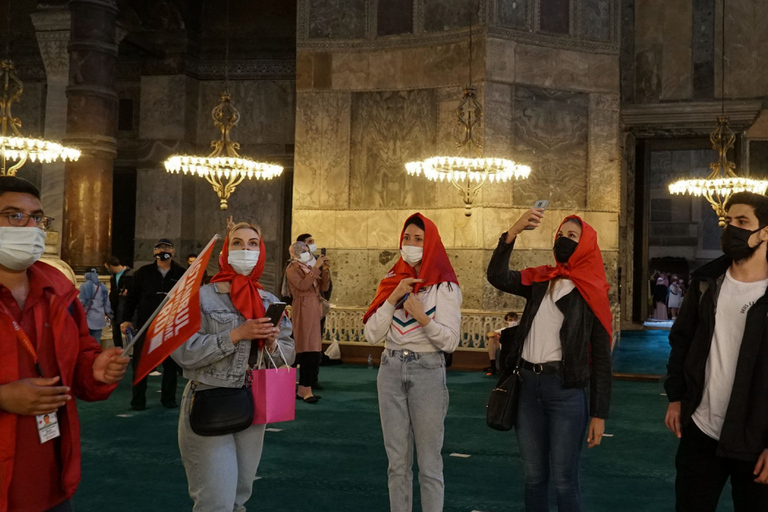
(48, 427)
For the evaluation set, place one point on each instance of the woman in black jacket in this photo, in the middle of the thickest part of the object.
(564, 339)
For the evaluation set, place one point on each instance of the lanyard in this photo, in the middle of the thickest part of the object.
(22, 337)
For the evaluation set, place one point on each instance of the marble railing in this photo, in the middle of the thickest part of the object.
(346, 325)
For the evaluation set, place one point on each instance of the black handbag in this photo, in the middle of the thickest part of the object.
(501, 412)
(221, 411)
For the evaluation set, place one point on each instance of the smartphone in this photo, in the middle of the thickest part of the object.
(541, 204)
(322, 251)
(402, 301)
(275, 312)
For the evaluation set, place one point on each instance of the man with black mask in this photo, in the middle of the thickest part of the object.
(717, 381)
(151, 283)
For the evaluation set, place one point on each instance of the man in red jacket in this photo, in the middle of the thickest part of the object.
(47, 358)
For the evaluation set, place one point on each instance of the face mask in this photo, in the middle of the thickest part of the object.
(21, 247)
(243, 262)
(735, 243)
(412, 254)
(305, 257)
(564, 249)
(312, 248)
(512, 323)
(163, 256)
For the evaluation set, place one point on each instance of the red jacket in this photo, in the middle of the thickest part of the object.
(75, 351)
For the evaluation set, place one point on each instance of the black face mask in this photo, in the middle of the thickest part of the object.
(735, 242)
(162, 256)
(564, 249)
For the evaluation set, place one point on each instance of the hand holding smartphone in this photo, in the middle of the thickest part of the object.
(541, 204)
(275, 312)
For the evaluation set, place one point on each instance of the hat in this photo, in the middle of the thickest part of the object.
(164, 241)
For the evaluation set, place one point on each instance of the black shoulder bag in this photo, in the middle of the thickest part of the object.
(221, 411)
(501, 413)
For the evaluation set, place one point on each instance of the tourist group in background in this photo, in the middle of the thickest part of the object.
(558, 352)
(666, 294)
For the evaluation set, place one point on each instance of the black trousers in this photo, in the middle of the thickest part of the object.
(170, 376)
(309, 367)
(117, 336)
(701, 477)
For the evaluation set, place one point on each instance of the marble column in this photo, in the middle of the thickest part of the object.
(91, 124)
(52, 30)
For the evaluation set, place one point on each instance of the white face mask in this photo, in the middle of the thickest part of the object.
(243, 261)
(21, 247)
(312, 248)
(305, 257)
(512, 323)
(412, 254)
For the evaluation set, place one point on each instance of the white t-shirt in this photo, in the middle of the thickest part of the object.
(733, 303)
(543, 342)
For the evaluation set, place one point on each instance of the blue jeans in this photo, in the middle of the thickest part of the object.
(220, 469)
(551, 430)
(96, 334)
(413, 401)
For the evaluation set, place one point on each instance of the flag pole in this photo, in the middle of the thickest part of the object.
(157, 310)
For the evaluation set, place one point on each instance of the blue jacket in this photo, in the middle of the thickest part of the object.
(94, 297)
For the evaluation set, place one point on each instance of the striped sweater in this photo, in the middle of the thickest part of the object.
(442, 304)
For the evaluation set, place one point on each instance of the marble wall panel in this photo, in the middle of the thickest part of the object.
(389, 129)
(352, 283)
(468, 231)
(555, 16)
(551, 136)
(604, 153)
(498, 140)
(677, 79)
(320, 223)
(703, 49)
(448, 14)
(500, 60)
(649, 43)
(321, 176)
(395, 17)
(162, 107)
(383, 228)
(158, 204)
(566, 69)
(30, 110)
(513, 14)
(746, 33)
(597, 19)
(304, 70)
(350, 71)
(322, 70)
(266, 107)
(337, 19)
(470, 267)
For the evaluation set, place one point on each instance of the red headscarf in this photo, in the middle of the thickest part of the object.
(435, 266)
(585, 269)
(244, 290)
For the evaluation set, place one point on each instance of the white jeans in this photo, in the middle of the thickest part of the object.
(413, 402)
(220, 469)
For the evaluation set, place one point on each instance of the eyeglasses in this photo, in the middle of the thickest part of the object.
(19, 219)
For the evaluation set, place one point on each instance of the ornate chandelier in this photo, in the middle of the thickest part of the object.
(722, 182)
(470, 170)
(15, 149)
(223, 168)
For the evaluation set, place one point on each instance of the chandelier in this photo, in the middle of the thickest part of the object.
(469, 171)
(15, 149)
(223, 168)
(722, 182)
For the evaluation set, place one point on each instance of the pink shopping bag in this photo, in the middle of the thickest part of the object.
(274, 391)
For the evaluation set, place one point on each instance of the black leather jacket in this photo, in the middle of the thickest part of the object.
(586, 346)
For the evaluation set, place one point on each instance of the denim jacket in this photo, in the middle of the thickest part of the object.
(209, 357)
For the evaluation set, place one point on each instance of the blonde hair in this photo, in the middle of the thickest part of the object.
(245, 225)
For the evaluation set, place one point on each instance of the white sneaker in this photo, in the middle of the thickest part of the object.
(155, 374)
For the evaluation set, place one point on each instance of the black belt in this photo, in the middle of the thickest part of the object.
(539, 368)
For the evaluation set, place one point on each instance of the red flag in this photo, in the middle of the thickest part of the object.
(178, 318)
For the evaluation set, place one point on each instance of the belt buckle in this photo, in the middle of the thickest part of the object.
(538, 368)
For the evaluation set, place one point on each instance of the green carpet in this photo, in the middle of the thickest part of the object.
(332, 457)
(644, 352)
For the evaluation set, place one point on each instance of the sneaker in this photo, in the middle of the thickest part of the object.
(155, 374)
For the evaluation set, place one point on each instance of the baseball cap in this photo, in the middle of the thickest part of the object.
(164, 241)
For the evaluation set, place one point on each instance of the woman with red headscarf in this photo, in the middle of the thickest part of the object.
(221, 468)
(564, 345)
(417, 313)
